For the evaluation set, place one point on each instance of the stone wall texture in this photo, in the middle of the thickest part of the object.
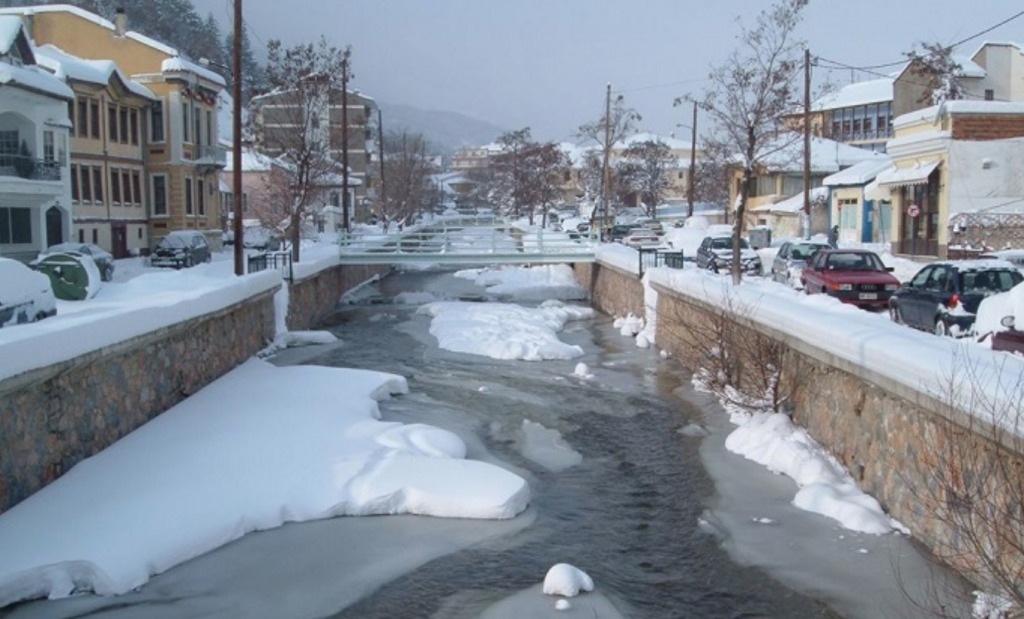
(54, 417)
(612, 291)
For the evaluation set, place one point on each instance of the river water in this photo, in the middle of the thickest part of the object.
(667, 523)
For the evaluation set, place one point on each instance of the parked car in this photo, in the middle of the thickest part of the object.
(104, 260)
(855, 276)
(652, 224)
(619, 231)
(943, 297)
(262, 239)
(181, 248)
(715, 254)
(642, 237)
(25, 296)
(1013, 256)
(790, 261)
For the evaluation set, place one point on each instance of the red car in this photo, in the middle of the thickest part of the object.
(855, 276)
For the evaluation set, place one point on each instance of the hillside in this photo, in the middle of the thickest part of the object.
(446, 132)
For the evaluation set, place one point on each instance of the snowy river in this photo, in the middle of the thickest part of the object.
(630, 482)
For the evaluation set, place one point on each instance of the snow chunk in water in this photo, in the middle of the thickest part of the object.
(504, 331)
(567, 580)
(583, 371)
(547, 448)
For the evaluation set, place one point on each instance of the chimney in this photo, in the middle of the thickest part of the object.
(120, 22)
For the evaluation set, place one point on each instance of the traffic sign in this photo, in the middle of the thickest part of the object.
(913, 210)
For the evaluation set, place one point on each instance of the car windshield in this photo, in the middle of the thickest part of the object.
(989, 281)
(725, 242)
(854, 262)
(172, 242)
(804, 251)
(65, 247)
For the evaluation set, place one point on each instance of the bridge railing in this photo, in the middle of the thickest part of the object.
(499, 243)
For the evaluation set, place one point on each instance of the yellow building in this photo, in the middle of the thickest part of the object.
(178, 133)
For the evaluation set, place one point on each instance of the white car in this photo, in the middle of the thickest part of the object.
(25, 296)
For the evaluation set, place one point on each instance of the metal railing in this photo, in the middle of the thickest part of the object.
(280, 260)
(29, 168)
(465, 244)
(653, 257)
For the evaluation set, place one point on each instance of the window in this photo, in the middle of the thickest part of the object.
(115, 186)
(765, 186)
(81, 235)
(209, 128)
(97, 184)
(189, 208)
(197, 135)
(133, 126)
(15, 226)
(136, 188)
(94, 119)
(158, 182)
(86, 184)
(8, 144)
(126, 187)
(49, 150)
(74, 184)
(156, 122)
(81, 121)
(71, 117)
(95, 236)
(123, 124)
(186, 122)
(112, 122)
(202, 197)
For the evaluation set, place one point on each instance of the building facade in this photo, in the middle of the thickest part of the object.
(35, 190)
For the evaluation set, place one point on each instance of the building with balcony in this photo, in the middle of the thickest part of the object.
(177, 131)
(281, 116)
(35, 191)
(108, 168)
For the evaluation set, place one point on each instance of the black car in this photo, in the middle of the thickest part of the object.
(943, 297)
(715, 254)
(181, 248)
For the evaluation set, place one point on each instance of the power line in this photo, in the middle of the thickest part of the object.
(888, 65)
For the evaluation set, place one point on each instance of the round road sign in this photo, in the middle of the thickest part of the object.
(913, 210)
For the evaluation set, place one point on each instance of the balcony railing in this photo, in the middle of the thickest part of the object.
(212, 154)
(20, 166)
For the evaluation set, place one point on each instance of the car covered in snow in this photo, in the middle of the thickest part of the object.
(943, 297)
(641, 238)
(854, 276)
(181, 249)
(104, 260)
(715, 254)
(1001, 318)
(1013, 256)
(25, 295)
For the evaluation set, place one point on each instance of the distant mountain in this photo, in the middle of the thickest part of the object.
(445, 132)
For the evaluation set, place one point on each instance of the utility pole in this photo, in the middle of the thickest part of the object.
(380, 150)
(236, 138)
(605, 173)
(345, 223)
(693, 162)
(807, 143)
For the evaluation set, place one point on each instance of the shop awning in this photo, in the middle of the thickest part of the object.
(914, 175)
(875, 192)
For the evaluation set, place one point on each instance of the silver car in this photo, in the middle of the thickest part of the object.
(791, 259)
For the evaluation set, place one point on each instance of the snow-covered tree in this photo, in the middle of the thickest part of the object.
(748, 95)
(525, 175)
(645, 167)
(407, 169)
(613, 126)
(940, 67)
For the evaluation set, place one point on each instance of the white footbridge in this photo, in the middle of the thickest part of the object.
(469, 242)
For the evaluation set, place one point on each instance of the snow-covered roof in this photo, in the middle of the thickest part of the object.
(252, 161)
(68, 67)
(968, 68)
(10, 27)
(794, 204)
(859, 93)
(786, 154)
(577, 154)
(92, 18)
(34, 78)
(860, 173)
(180, 65)
(916, 174)
(950, 108)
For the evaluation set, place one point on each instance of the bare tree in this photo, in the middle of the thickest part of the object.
(612, 127)
(938, 65)
(408, 170)
(749, 94)
(646, 166)
(526, 175)
(293, 122)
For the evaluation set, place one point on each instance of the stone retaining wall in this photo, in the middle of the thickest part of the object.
(612, 290)
(54, 417)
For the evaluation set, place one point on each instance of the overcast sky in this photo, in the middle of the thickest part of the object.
(544, 64)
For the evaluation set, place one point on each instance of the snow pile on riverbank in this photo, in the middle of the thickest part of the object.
(504, 331)
(258, 448)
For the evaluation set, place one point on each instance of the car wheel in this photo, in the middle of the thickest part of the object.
(941, 328)
(189, 262)
(895, 315)
(108, 274)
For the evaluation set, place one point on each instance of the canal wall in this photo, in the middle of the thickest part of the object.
(54, 416)
(953, 480)
(613, 290)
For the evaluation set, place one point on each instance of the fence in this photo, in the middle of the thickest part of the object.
(651, 258)
(280, 260)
